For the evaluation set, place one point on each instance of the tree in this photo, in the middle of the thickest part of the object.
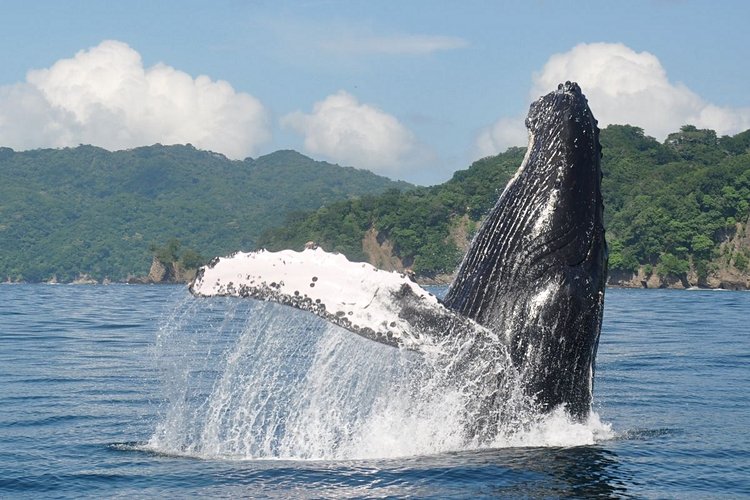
(168, 253)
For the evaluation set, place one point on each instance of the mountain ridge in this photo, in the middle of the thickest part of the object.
(88, 211)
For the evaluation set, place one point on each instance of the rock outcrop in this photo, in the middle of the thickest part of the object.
(84, 279)
(379, 252)
(161, 272)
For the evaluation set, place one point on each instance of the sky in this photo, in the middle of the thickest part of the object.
(413, 90)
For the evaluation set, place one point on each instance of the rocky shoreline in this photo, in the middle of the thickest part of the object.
(723, 279)
(635, 282)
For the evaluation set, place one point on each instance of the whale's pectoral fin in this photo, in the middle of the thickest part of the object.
(383, 306)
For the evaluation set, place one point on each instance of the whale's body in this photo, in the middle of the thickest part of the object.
(528, 296)
(537, 268)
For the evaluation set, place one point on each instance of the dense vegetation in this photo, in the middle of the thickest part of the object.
(418, 222)
(667, 206)
(85, 210)
(672, 204)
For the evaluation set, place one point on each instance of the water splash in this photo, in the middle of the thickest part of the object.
(246, 380)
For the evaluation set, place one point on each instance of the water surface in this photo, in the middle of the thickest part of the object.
(90, 378)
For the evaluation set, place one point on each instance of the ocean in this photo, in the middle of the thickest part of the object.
(143, 391)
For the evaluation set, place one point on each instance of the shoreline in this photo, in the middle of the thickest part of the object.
(420, 282)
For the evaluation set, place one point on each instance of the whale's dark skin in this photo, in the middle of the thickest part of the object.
(537, 268)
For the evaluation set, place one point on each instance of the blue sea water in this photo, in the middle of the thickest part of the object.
(142, 391)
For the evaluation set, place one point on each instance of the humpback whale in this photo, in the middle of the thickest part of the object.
(538, 266)
(528, 296)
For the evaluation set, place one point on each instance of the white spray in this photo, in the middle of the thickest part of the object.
(283, 384)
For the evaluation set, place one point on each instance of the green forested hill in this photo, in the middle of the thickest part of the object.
(418, 222)
(64, 212)
(671, 208)
(668, 208)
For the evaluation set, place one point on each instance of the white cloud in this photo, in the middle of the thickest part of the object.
(502, 134)
(623, 87)
(104, 96)
(349, 132)
(395, 44)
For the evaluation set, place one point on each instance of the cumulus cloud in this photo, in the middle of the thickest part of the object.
(624, 87)
(104, 96)
(396, 44)
(349, 132)
(501, 135)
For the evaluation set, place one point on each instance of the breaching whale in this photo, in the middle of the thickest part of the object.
(538, 266)
(528, 295)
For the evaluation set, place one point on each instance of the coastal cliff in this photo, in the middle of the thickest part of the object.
(729, 270)
(164, 273)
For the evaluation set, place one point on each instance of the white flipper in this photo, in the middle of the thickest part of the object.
(383, 306)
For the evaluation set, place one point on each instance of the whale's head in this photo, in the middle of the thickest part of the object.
(537, 268)
(560, 178)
